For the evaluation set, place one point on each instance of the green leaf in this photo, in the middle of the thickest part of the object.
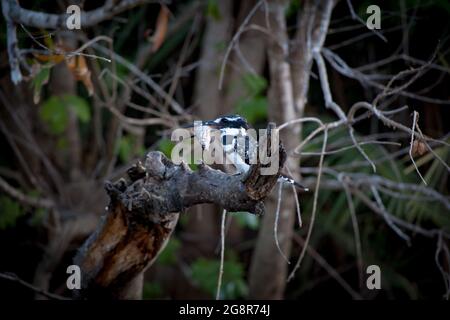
(37, 217)
(62, 143)
(253, 109)
(168, 255)
(151, 290)
(125, 148)
(10, 211)
(254, 84)
(54, 114)
(246, 219)
(204, 273)
(212, 10)
(39, 81)
(166, 146)
(292, 8)
(80, 106)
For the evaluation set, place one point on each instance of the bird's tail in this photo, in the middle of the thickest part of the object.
(285, 179)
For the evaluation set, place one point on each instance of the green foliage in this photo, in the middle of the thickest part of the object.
(128, 148)
(125, 148)
(169, 255)
(54, 112)
(253, 106)
(80, 106)
(38, 216)
(254, 84)
(10, 211)
(166, 146)
(39, 81)
(212, 10)
(247, 220)
(151, 290)
(253, 109)
(204, 273)
(293, 8)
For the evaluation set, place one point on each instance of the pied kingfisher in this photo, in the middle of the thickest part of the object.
(238, 145)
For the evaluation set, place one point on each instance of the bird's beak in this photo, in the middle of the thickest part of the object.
(209, 123)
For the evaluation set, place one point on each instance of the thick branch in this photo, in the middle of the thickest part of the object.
(143, 212)
(58, 21)
(11, 36)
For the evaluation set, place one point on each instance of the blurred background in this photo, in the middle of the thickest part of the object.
(76, 120)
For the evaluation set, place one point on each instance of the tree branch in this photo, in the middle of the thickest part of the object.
(11, 36)
(143, 212)
(58, 21)
(22, 198)
(15, 278)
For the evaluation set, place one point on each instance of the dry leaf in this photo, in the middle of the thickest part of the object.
(161, 28)
(418, 148)
(54, 58)
(78, 66)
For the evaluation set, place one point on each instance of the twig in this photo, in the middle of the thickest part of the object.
(329, 103)
(15, 278)
(22, 198)
(222, 253)
(357, 18)
(342, 67)
(411, 146)
(275, 225)
(356, 144)
(297, 206)
(313, 214)
(297, 202)
(331, 271)
(235, 39)
(352, 146)
(142, 76)
(351, 208)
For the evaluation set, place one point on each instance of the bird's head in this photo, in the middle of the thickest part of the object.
(225, 122)
(229, 121)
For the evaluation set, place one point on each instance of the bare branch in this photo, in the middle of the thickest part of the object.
(58, 21)
(275, 225)
(15, 278)
(222, 253)
(331, 271)
(313, 214)
(235, 39)
(22, 198)
(12, 43)
(415, 114)
(351, 208)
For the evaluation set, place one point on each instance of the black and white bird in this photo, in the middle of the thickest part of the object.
(239, 146)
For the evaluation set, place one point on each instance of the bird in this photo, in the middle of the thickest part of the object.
(239, 146)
